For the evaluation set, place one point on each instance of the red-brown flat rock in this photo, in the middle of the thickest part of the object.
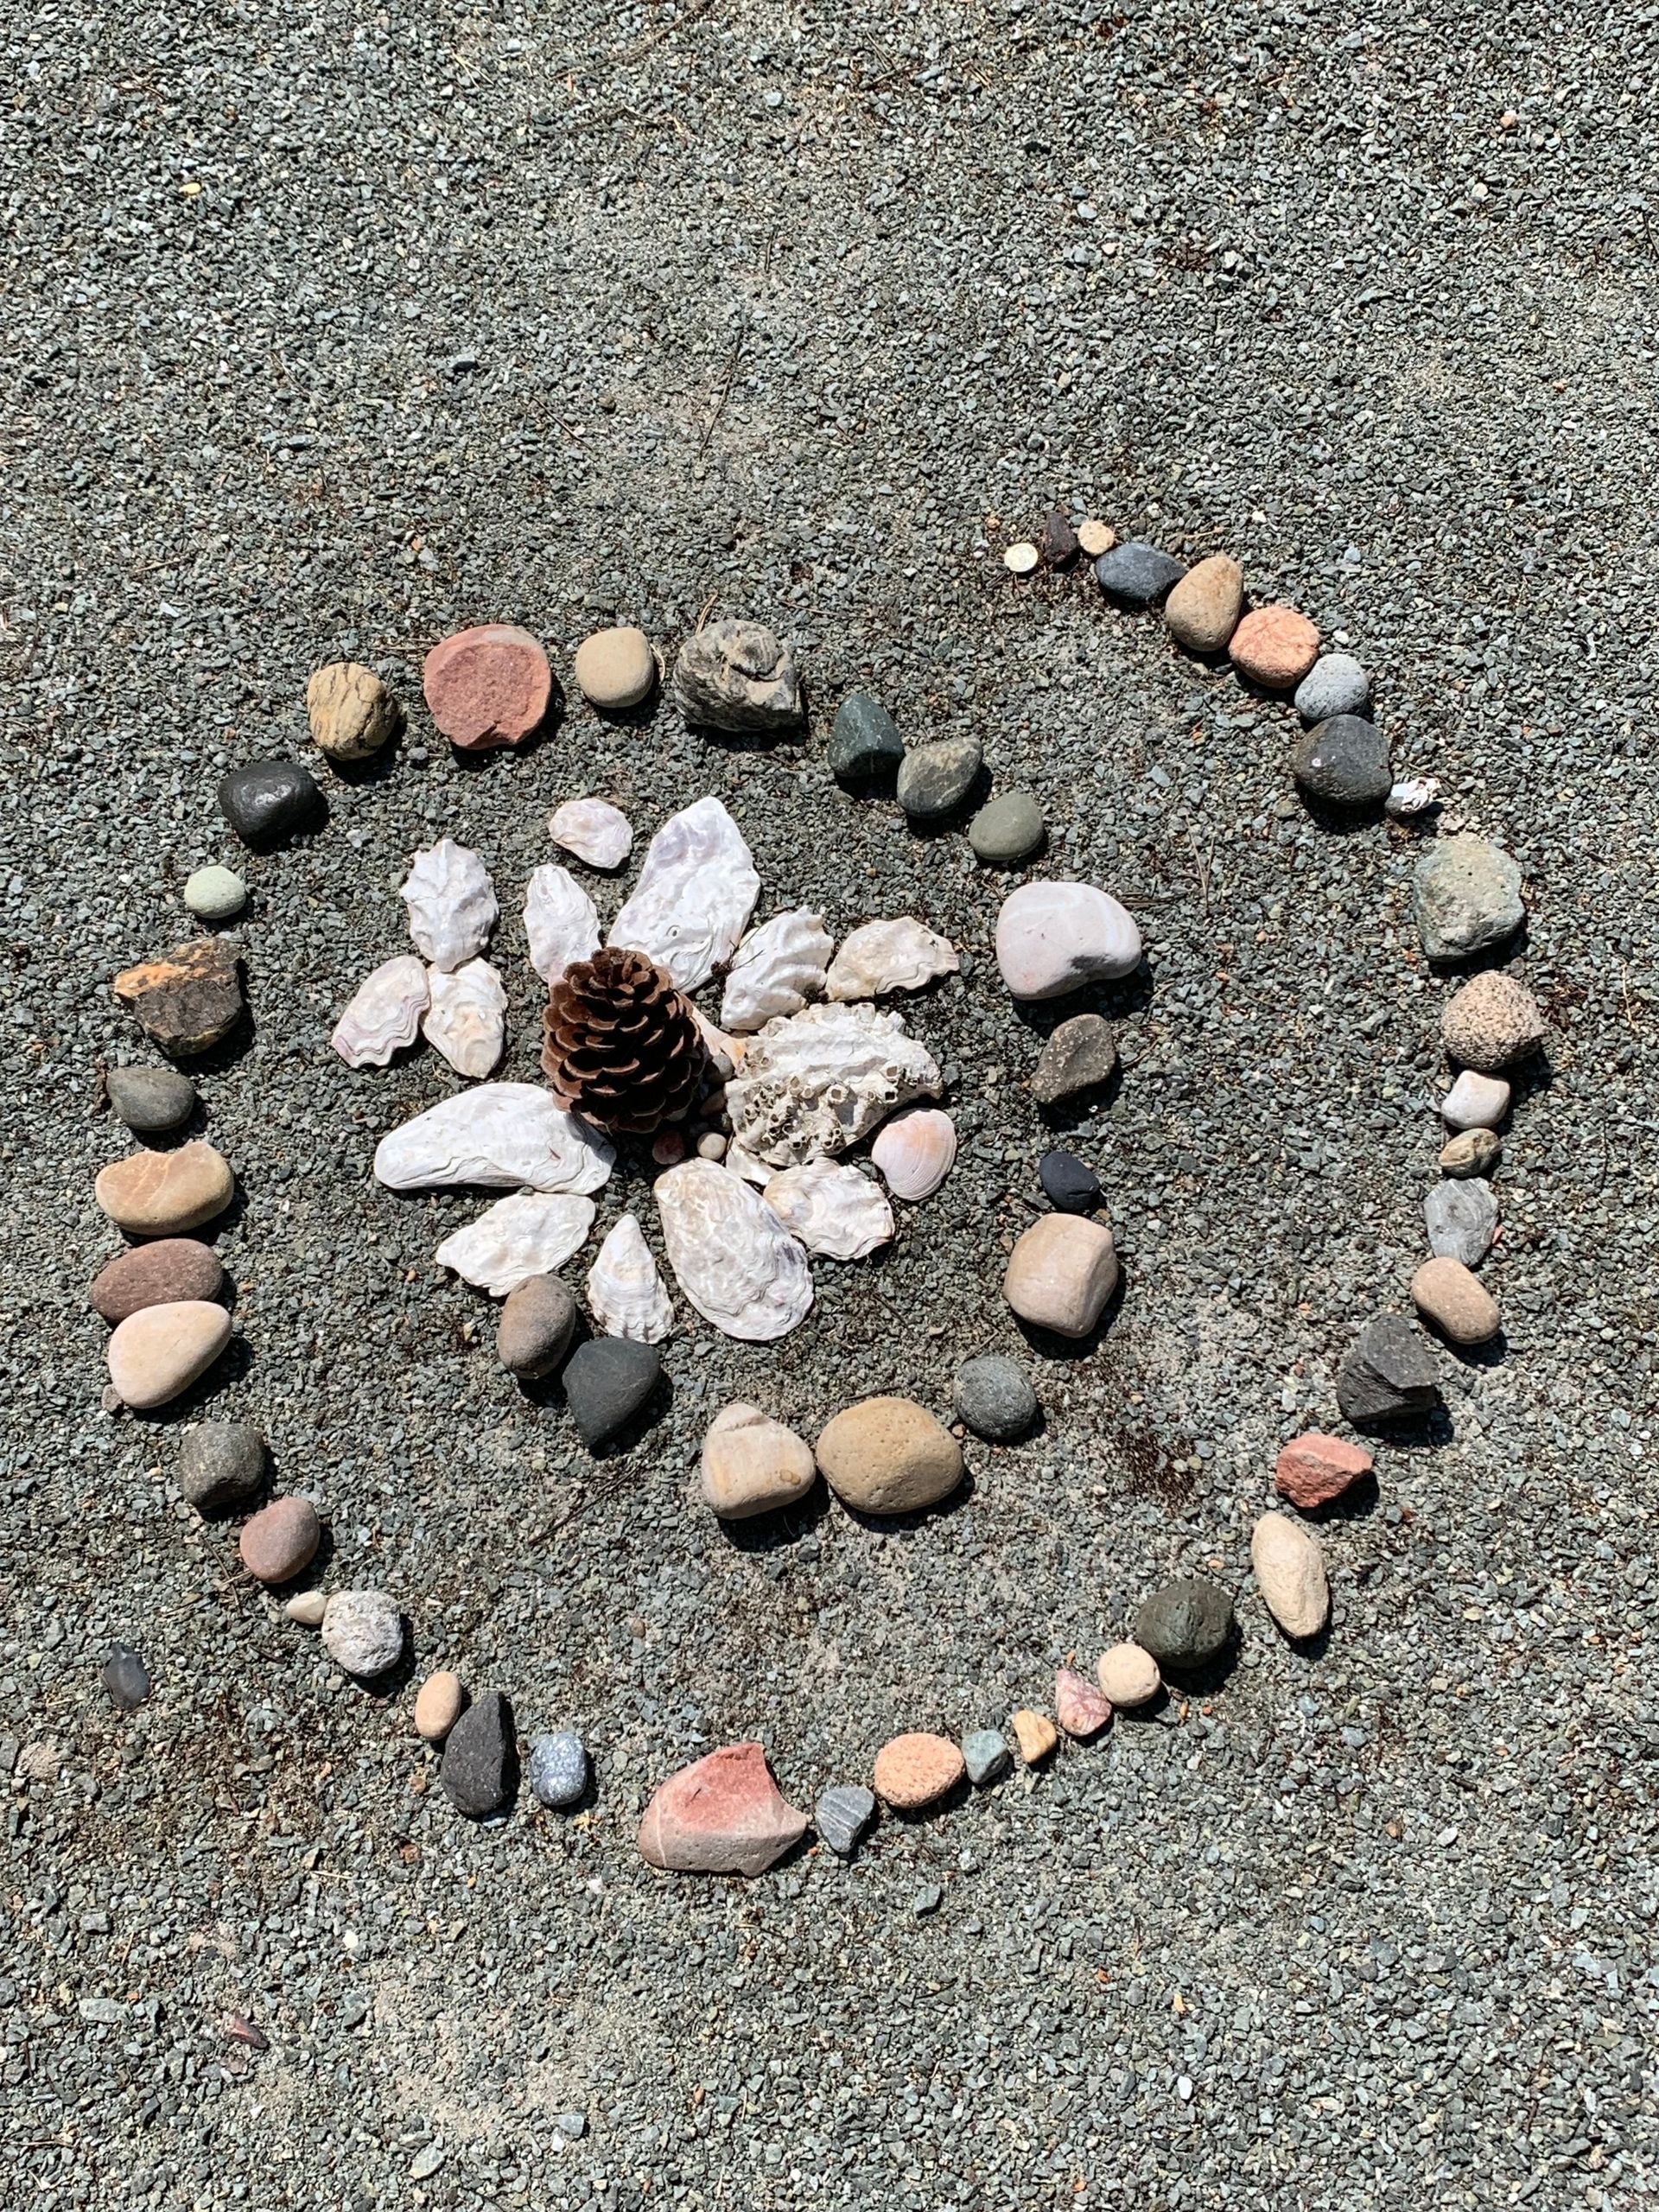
(724, 1814)
(1275, 646)
(487, 687)
(1314, 1469)
(1081, 1709)
(916, 1771)
(163, 1273)
(280, 1539)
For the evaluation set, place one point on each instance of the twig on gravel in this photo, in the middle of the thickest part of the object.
(684, 20)
(725, 383)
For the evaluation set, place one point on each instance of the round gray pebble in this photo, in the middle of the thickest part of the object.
(994, 1398)
(1336, 684)
(213, 894)
(558, 1769)
(1006, 831)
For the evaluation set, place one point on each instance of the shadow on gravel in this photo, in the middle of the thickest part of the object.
(1431, 1433)
(1357, 1503)
(909, 1525)
(1206, 1680)
(777, 1531)
(1339, 821)
(1112, 1002)
(1048, 1346)
(1482, 962)
(380, 768)
(218, 1059)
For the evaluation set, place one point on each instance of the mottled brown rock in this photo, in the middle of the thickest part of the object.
(488, 687)
(916, 1771)
(189, 998)
(352, 713)
(724, 1814)
(171, 1272)
(155, 1353)
(889, 1455)
(1081, 1709)
(164, 1193)
(1492, 1022)
(1471, 1152)
(1316, 1468)
(537, 1324)
(1456, 1301)
(1275, 646)
(280, 1540)
(1202, 611)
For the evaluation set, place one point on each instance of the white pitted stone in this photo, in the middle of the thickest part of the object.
(500, 1135)
(732, 1256)
(696, 892)
(517, 1238)
(813, 1083)
(1053, 937)
(560, 922)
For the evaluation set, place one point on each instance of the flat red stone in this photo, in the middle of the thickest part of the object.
(1081, 1709)
(723, 1815)
(1315, 1469)
(160, 1274)
(487, 687)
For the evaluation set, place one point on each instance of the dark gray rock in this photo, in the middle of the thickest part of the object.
(934, 779)
(1070, 1184)
(538, 1322)
(1138, 576)
(269, 800)
(125, 1677)
(1057, 541)
(478, 1758)
(733, 675)
(1080, 1057)
(986, 1756)
(221, 1463)
(1389, 1374)
(606, 1381)
(1006, 831)
(150, 1101)
(558, 1769)
(1461, 1217)
(842, 1816)
(1343, 763)
(1184, 1624)
(1336, 684)
(865, 747)
(994, 1398)
(1465, 897)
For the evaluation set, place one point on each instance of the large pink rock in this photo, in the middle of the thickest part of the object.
(487, 687)
(723, 1815)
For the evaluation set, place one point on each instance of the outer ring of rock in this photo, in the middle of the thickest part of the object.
(915, 1771)
(488, 686)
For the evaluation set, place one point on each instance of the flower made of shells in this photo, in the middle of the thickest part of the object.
(622, 1046)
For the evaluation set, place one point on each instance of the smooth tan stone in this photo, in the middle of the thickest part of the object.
(1061, 1273)
(1471, 1152)
(1034, 1732)
(889, 1455)
(164, 1193)
(615, 668)
(155, 1354)
(280, 1539)
(916, 1771)
(1461, 1306)
(351, 711)
(1289, 1569)
(1275, 646)
(1202, 612)
(1095, 537)
(438, 1704)
(1128, 1676)
(1476, 1102)
(307, 1609)
(751, 1464)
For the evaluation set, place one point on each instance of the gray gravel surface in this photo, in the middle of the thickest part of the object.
(328, 332)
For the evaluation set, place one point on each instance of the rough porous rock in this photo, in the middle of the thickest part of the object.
(1137, 576)
(1034, 1732)
(1129, 1676)
(1455, 1302)
(1057, 542)
(1465, 897)
(269, 800)
(280, 1540)
(1080, 1707)
(841, 1815)
(1343, 763)
(125, 1678)
(1336, 684)
(214, 894)
(164, 1193)
(538, 1322)
(363, 1632)
(865, 747)
(1096, 538)
(162, 1349)
(478, 1754)
(1389, 1374)
(189, 998)
(986, 1756)
(723, 1814)
(172, 1271)
(1461, 1218)
(607, 1382)
(1006, 831)
(439, 1703)
(615, 668)
(1289, 1569)
(150, 1101)
(934, 779)
(487, 687)
(1053, 937)
(1491, 1022)
(993, 1397)
(1080, 1057)
(1471, 1152)
(1202, 611)
(351, 712)
(889, 1455)
(735, 674)
(1475, 1102)
(1061, 1273)
(1070, 1185)
(915, 1771)
(1186, 1624)
(1315, 1469)
(220, 1463)
(1275, 646)
(751, 1464)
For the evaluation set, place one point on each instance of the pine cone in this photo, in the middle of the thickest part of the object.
(621, 1047)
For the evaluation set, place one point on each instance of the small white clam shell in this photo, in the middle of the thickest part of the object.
(831, 1208)
(731, 1255)
(502, 1136)
(896, 955)
(594, 830)
(385, 1014)
(625, 1294)
(814, 1083)
(696, 890)
(916, 1152)
(466, 1019)
(559, 921)
(776, 970)
(451, 903)
(515, 1239)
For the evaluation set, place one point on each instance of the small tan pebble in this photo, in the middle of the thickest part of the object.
(166, 1193)
(1129, 1676)
(751, 1464)
(280, 1539)
(1035, 1733)
(1061, 1273)
(1471, 1152)
(1289, 1569)
(914, 1772)
(351, 711)
(711, 1146)
(438, 1704)
(1096, 538)
(1202, 612)
(308, 1608)
(615, 668)
(1461, 1306)
(1020, 560)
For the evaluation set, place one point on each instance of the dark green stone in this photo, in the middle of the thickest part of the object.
(865, 747)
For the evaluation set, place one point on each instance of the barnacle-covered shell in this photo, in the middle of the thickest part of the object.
(832, 1208)
(385, 1014)
(466, 1019)
(559, 921)
(916, 1152)
(695, 891)
(451, 903)
(625, 1294)
(776, 970)
(731, 1255)
(898, 956)
(816, 1082)
(517, 1238)
(500, 1135)
(594, 830)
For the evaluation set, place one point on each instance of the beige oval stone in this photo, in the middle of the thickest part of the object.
(1096, 538)
(1061, 1273)
(164, 1193)
(438, 1704)
(915, 1771)
(751, 1464)
(308, 1608)
(155, 1354)
(1289, 1569)
(889, 1455)
(1034, 1732)
(1275, 646)
(1456, 1301)
(1128, 1676)
(1471, 1152)
(1202, 612)
(615, 668)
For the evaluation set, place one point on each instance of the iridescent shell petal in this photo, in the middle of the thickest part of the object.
(384, 1016)
(451, 903)
(833, 1209)
(501, 1136)
(696, 890)
(594, 830)
(898, 956)
(776, 970)
(517, 1238)
(559, 921)
(731, 1255)
(466, 1019)
(625, 1294)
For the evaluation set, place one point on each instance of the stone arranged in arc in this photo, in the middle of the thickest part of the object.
(934, 779)
(733, 675)
(1389, 1373)
(607, 1381)
(865, 747)
(1492, 1023)
(152, 1101)
(889, 1455)
(1289, 1570)
(174, 1270)
(915, 1771)
(159, 1351)
(722, 1815)
(1315, 1469)
(1466, 898)
(751, 1464)
(351, 712)
(1343, 762)
(1080, 1057)
(614, 669)
(1186, 1624)
(270, 800)
(1203, 609)
(220, 1463)
(188, 1000)
(487, 687)
(165, 1193)
(994, 1396)
(1061, 1273)
(1053, 937)
(479, 1754)
(1275, 646)
(1137, 576)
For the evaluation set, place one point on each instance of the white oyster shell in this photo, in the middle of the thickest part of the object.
(385, 1015)
(695, 891)
(559, 921)
(916, 1152)
(816, 1082)
(776, 970)
(625, 1294)
(732, 1256)
(451, 903)
(594, 830)
(515, 1239)
(500, 1135)
(1416, 797)
(725, 1053)
(746, 1165)
(466, 1019)
(832, 1208)
(901, 955)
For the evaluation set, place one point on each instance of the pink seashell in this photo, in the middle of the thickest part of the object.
(1080, 1707)
(916, 1152)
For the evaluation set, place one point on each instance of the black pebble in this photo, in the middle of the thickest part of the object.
(1138, 576)
(1390, 1374)
(125, 1677)
(270, 800)
(1070, 1185)
(1184, 1624)
(150, 1100)
(865, 747)
(605, 1382)
(480, 1757)
(1344, 762)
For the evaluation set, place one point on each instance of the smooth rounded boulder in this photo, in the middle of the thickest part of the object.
(156, 1353)
(889, 1455)
(1054, 937)
(164, 1193)
(1061, 1273)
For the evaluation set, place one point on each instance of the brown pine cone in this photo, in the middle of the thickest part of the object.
(621, 1046)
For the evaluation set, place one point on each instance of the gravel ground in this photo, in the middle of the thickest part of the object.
(328, 333)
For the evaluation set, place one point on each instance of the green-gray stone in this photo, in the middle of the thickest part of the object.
(1185, 1623)
(865, 747)
(1006, 831)
(215, 893)
(935, 780)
